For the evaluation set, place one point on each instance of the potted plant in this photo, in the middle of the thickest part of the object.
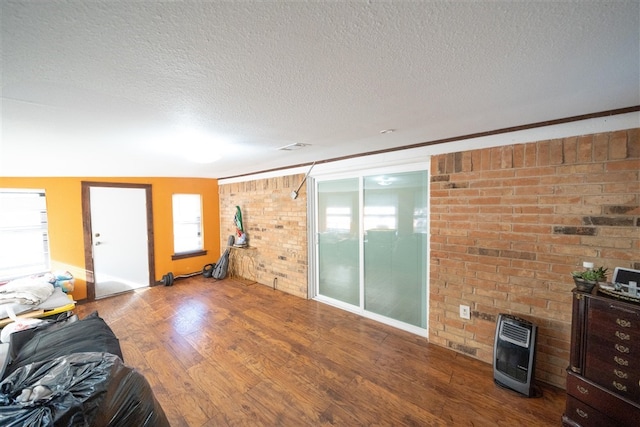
(587, 279)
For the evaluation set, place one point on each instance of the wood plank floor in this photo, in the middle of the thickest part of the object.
(223, 353)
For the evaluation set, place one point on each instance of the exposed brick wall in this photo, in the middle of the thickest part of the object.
(276, 227)
(509, 224)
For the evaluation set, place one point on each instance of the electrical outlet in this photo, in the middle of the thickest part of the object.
(465, 312)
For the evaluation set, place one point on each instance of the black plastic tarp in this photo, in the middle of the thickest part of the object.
(90, 334)
(80, 389)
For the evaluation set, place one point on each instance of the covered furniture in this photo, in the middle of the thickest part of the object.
(71, 373)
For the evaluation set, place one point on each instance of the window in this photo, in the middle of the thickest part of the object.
(380, 217)
(338, 219)
(24, 234)
(187, 223)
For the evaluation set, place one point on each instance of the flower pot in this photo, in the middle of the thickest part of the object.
(584, 285)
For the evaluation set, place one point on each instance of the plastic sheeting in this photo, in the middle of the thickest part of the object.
(90, 334)
(81, 389)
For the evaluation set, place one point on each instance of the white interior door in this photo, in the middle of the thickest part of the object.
(119, 239)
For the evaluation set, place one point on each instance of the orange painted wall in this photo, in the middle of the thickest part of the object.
(66, 241)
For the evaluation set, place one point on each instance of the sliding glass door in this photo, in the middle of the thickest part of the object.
(372, 244)
(338, 240)
(395, 246)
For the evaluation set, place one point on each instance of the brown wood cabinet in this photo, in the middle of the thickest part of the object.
(603, 378)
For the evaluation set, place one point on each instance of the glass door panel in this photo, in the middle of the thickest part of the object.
(395, 246)
(338, 240)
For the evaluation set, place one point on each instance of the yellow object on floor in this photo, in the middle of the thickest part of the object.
(38, 314)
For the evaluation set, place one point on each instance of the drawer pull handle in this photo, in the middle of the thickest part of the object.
(619, 386)
(622, 349)
(623, 336)
(623, 323)
(620, 361)
(620, 374)
(582, 389)
(582, 413)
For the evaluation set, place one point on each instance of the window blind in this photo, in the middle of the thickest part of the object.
(24, 234)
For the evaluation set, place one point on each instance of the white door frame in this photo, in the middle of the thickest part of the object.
(87, 231)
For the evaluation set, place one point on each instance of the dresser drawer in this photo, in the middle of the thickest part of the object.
(608, 314)
(614, 338)
(604, 402)
(612, 350)
(615, 373)
(586, 416)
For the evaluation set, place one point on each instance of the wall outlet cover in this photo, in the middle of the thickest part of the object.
(465, 312)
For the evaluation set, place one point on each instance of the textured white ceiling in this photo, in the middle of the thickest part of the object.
(124, 88)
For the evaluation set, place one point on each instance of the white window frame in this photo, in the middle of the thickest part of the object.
(24, 233)
(185, 217)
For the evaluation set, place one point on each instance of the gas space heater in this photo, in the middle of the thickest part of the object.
(514, 354)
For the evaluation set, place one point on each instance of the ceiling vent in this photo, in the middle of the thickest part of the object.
(294, 146)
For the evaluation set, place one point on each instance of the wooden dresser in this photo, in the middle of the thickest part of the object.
(603, 378)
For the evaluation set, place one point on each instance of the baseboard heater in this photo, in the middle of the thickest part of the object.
(514, 354)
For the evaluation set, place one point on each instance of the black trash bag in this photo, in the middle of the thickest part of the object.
(90, 334)
(81, 389)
